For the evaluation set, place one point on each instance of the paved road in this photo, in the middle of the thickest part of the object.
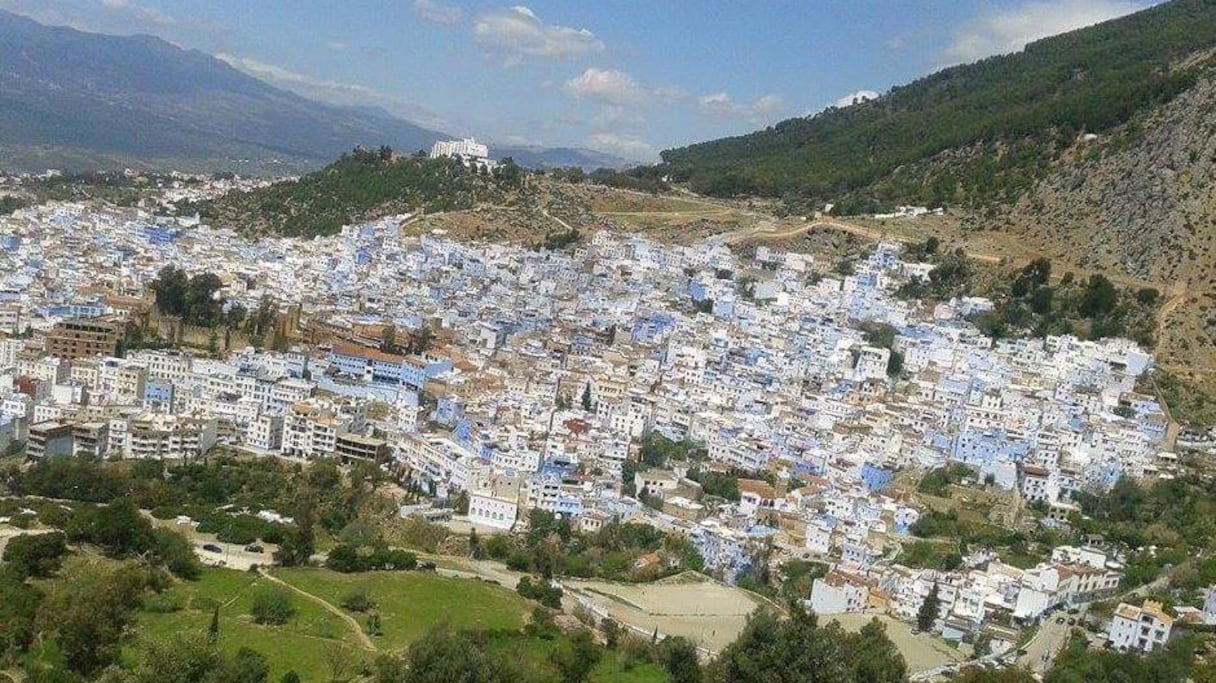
(1042, 649)
(231, 555)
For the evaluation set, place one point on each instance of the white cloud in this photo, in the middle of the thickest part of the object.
(1010, 30)
(721, 104)
(617, 88)
(336, 45)
(607, 85)
(295, 80)
(147, 15)
(438, 13)
(627, 146)
(855, 98)
(517, 33)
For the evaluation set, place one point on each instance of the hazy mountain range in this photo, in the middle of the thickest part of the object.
(80, 100)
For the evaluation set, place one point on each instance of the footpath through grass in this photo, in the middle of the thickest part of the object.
(304, 644)
(409, 603)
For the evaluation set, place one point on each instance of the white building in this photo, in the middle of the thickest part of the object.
(1209, 605)
(265, 433)
(494, 501)
(1142, 628)
(839, 593)
(467, 150)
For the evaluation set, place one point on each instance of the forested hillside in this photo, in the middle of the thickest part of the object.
(363, 184)
(1002, 121)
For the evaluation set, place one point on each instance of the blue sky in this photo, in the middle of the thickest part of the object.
(630, 77)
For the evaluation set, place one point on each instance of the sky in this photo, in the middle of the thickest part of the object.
(628, 77)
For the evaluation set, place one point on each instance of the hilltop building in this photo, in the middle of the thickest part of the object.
(467, 150)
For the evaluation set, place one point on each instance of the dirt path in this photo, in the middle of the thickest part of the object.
(364, 641)
(861, 231)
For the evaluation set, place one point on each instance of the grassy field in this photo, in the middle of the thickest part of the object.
(304, 645)
(411, 602)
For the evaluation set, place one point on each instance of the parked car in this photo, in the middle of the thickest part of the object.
(253, 548)
(426, 566)
(212, 548)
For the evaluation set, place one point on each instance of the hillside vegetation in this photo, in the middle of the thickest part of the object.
(1005, 117)
(361, 185)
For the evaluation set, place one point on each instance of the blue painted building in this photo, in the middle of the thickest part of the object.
(875, 478)
(159, 392)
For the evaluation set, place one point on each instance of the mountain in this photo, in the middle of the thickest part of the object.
(81, 101)
(561, 157)
(967, 134)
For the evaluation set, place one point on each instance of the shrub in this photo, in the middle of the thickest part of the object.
(541, 591)
(358, 600)
(271, 606)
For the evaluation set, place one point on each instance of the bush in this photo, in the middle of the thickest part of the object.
(271, 606)
(349, 559)
(176, 553)
(541, 591)
(358, 600)
(37, 555)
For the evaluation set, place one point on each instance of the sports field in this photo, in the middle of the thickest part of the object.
(706, 612)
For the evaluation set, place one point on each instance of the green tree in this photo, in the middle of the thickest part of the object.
(442, 655)
(475, 549)
(247, 666)
(87, 612)
(587, 397)
(272, 606)
(678, 656)
(374, 626)
(18, 610)
(388, 338)
(359, 599)
(783, 651)
(213, 629)
(169, 290)
(927, 614)
(36, 555)
(1100, 297)
(875, 658)
(174, 552)
(118, 528)
(178, 659)
(576, 657)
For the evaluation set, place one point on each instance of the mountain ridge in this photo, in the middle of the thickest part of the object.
(1033, 102)
(86, 100)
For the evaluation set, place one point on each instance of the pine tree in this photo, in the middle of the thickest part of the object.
(213, 631)
(928, 610)
(474, 545)
(587, 397)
